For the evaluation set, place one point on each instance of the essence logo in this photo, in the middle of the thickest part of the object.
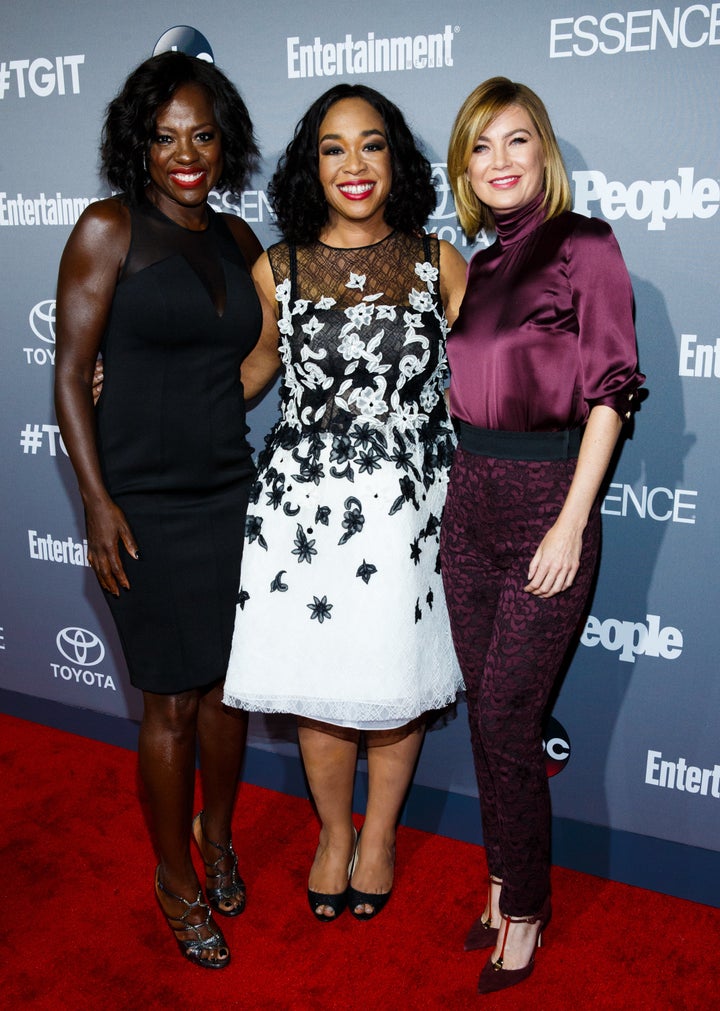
(80, 646)
(184, 39)
(556, 745)
(252, 206)
(640, 31)
(676, 505)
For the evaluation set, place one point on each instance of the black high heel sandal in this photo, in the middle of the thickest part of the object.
(481, 934)
(226, 899)
(337, 900)
(199, 937)
(375, 899)
(355, 898)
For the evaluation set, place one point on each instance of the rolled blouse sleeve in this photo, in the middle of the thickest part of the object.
(603, 301)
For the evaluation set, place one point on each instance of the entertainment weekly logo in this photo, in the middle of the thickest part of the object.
(64, 551)
(656, 201)
(34, 212)
(80, 651)
(42, 76)
(698, 361)
(689, 26)
(370, 54)
(669, 774)
(630, 639)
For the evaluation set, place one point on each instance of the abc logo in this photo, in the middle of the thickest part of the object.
(556, 745)
(184, 39)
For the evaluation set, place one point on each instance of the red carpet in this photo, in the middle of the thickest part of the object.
(80, 929)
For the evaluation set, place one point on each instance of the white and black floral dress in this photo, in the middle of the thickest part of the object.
(341, 614)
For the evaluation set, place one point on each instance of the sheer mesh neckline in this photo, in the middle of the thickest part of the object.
(166, 217)
(157, 238)
(350, 249)
(385, 270)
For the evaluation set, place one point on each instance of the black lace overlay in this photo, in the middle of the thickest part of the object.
(363, 346)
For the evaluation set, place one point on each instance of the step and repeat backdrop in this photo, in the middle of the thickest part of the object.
(634, 742)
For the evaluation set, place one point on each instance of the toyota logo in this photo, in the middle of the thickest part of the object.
(445, 207)
(80, 646)
(42, 320)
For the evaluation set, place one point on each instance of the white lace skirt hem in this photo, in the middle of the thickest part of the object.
(358, 716)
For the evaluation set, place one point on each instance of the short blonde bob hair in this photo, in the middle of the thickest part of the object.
(478, 110)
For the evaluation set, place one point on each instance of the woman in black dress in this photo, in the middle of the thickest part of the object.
(160, 284)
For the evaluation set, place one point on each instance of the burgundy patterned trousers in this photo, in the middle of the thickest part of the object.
(510, 645)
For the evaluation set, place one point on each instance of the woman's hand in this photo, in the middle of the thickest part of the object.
(107, 528)
(555, 563)
(97, 381)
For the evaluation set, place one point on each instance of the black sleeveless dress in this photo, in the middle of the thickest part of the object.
(173, 447)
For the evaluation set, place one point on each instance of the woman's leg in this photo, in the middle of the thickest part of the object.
(530, 638)
(330, 755)
(392, 757)
(472, 585)
(222, 733)
(529, 642)
(510, 645)
(166, 757)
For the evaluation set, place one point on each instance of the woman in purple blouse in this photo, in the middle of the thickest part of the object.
(544, 374)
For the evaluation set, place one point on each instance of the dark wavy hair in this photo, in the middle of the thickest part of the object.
(130, 122)
(296, 194)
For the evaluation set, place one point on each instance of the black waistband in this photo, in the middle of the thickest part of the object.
(519, 445)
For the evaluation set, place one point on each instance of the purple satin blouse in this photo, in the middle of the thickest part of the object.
(545, 331)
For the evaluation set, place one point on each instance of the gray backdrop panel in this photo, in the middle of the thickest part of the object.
(630, 94)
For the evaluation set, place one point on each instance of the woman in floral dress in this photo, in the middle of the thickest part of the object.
(341, 615)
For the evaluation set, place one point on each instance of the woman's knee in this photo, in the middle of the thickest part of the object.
(175, 713)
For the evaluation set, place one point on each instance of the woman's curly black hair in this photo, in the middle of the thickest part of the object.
(296, 194)
(130, 122)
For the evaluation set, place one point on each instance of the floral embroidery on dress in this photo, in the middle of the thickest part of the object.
(364, 365)
(340, 616)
